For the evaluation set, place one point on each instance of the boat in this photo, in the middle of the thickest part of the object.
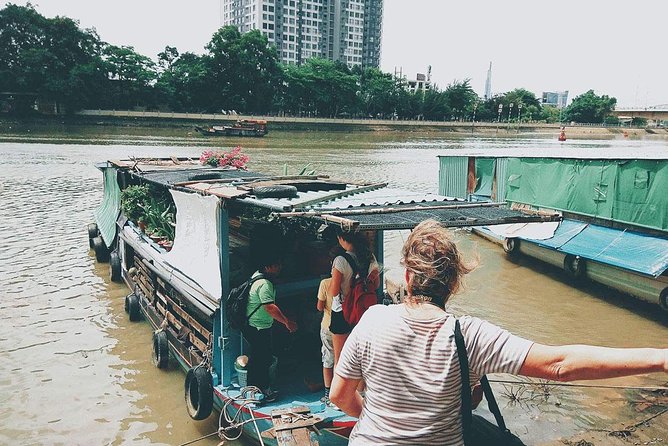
(615, 226)
(243, 127)
(222, 216)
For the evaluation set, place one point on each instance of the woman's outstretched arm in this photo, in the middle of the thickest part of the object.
(581, 362)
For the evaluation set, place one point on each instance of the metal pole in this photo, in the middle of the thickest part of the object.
(510, 110)
(498, 118)
(519, 116)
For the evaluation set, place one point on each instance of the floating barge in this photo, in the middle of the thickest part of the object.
(614, 204)
(222, 217)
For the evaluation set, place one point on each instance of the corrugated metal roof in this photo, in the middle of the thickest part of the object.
(383, 196)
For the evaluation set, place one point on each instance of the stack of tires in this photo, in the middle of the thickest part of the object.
(103, 254)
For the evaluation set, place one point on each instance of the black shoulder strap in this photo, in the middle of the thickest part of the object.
(351, 261)
(467, 415)
(250, 282)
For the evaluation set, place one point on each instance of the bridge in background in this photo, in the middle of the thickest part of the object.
(656, 114)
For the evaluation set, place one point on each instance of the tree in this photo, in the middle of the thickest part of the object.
(379, 93)
(319, 87)
(243, 71)
(589, 107)
(460, 98)
(52, 58)
(183, 85)
(131, 77)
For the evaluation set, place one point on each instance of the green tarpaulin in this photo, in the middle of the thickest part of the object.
(632, 192)
(107, 213)
(484, 174)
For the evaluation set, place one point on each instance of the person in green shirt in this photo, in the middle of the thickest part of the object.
(262, 311)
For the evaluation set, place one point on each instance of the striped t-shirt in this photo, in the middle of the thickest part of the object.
(412, 373)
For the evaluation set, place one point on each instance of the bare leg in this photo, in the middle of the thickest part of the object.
(327, 375)
(337, 341)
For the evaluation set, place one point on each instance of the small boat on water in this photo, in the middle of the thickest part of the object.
(614, 203)
(222, 217)
(243, 127)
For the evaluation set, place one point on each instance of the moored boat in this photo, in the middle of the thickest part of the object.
(243, 127)
(222, 217)
(614, 231)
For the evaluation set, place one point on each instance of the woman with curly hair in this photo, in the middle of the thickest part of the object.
(408, 357)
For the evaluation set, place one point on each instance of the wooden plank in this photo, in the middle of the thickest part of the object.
(218, 190)
(292, 426)
(181, 312)
(194, 340)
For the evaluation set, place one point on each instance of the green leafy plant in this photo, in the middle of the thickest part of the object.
(160, 217)
(133, 200)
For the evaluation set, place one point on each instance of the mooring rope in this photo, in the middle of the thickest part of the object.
(590, 386)
(198, 439)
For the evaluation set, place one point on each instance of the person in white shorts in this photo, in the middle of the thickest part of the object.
(325, 306)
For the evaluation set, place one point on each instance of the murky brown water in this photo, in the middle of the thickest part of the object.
(73, 370)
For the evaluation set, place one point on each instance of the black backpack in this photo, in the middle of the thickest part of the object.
(237, 303)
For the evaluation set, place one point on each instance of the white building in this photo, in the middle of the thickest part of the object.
(345, 30)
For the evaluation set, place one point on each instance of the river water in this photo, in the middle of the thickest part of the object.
(73, 370)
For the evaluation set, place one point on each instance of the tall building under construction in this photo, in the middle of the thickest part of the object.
(342, 30)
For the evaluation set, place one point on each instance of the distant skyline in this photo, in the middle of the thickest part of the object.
(616, 48)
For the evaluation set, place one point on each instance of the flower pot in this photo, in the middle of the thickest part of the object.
(142, 226)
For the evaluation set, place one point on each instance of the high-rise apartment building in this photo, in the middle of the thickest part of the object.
(345, 30)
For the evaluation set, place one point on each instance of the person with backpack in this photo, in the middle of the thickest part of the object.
(357, 265)
(261, 312)
(419, 361)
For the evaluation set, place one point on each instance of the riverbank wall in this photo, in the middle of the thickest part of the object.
(156, 119)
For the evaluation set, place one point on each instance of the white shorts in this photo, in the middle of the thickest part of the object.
(327, 348)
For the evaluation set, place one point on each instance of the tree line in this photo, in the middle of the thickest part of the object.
(54, 59)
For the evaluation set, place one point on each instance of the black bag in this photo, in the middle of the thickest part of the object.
(477, 430)
(237, 303)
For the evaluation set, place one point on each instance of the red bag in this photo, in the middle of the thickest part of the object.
(362, 293)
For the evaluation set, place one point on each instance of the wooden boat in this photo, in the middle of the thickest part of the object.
(222, 216)
(614, 230)
(243, 127)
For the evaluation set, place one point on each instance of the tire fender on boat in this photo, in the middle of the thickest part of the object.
(134, 308)
(575, 266)
(663, 299)
(115, 267)
(101, 250)
(275, 191)
(199, 393)
(160, 354)
(92, 233)
(511, 245)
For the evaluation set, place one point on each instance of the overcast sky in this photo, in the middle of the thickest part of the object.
(615, 47)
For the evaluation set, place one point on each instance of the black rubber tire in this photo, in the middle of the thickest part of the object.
(101, 250)
(127, 303)
(277, 191)
(115, 267)
(93, 231)
(663, 299)
(160, 354)
(199, 393)
(574, 266)
(134, 308)
(511, 246)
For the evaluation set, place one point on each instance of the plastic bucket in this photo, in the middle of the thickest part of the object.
(242, 377)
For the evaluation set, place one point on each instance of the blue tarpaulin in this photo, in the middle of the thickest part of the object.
(624, 249)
